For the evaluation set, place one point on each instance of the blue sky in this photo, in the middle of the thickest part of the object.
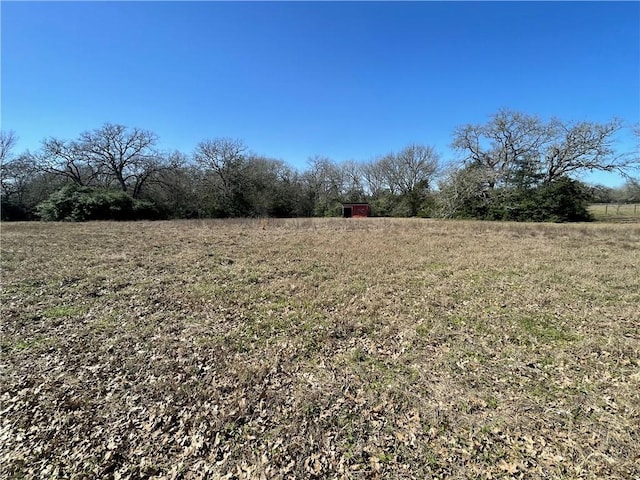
(346, 80)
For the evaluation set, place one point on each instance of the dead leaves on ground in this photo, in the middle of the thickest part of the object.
(404, 360)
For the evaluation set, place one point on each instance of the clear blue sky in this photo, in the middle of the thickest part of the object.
(347, 80)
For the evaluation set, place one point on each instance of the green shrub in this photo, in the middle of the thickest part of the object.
(564, 200)
(144, 209)
(12, 210)
(78, 204)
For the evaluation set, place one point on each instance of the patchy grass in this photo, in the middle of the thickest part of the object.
(377, 348)
(621, 212)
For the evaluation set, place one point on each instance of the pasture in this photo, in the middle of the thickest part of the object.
(618, 212)
(325, 348)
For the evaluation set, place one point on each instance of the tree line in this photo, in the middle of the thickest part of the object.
(513, 167)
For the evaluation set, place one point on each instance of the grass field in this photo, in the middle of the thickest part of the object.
(375, 348)
(623, 212)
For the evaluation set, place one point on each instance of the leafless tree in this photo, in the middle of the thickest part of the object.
(387, 166)
(375, 177)
(68, 159)
(22, 183)
(513, 143)
(15, 176)
(111, 155)
(498, 146)
(580, 147)
(415, 167)
(8, 140)
(325, 177)
(126, 155)
(352, 179)
(457, 187)
(222, 156)
(324, 183)
(267, 187)
(631, 190)
(223, 163)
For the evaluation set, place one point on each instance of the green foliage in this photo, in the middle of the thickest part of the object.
(516, 167)
(412, 204)
(403, 207)
(328, 208)
(382, 206)
(564, 200)
(13, 210)
(145, 209)
(77, 204)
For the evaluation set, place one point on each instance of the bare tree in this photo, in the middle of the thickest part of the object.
(23, 185)
(324, 182)
(110, 156)
(8, 140)
(498, 147)
(415, 167)
(513, 145)
(580, 147)
(631, 190)
(126, 155)
(375, 177)
(460, 187)
(222, 156)
(352, 181)
(388, 168)
(223, 163)
(15, 176)
(412, 168)
(68, 159)
(268, 187)
(326, 176)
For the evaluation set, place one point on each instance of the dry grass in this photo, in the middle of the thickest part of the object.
(622, 212)
(335, 348)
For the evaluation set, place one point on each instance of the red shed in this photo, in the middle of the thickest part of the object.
(355, 210)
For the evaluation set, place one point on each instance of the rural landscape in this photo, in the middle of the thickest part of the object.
(320, 348)
(516, 166)
(208, 316)
(291, 240)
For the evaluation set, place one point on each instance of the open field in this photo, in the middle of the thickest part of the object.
(610, 212)
(374, 348)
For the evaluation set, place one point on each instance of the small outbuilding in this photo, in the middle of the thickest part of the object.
(355, 210)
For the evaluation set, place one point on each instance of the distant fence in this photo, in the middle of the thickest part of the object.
(616, 212)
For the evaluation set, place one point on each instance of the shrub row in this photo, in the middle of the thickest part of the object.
(77, 203)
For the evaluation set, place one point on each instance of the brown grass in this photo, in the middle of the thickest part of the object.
(619, 213)
(334, 348)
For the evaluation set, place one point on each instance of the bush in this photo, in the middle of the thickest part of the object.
(144, 209)
(11, 210)
(564, 200)
(382, 206)
(78, 204)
